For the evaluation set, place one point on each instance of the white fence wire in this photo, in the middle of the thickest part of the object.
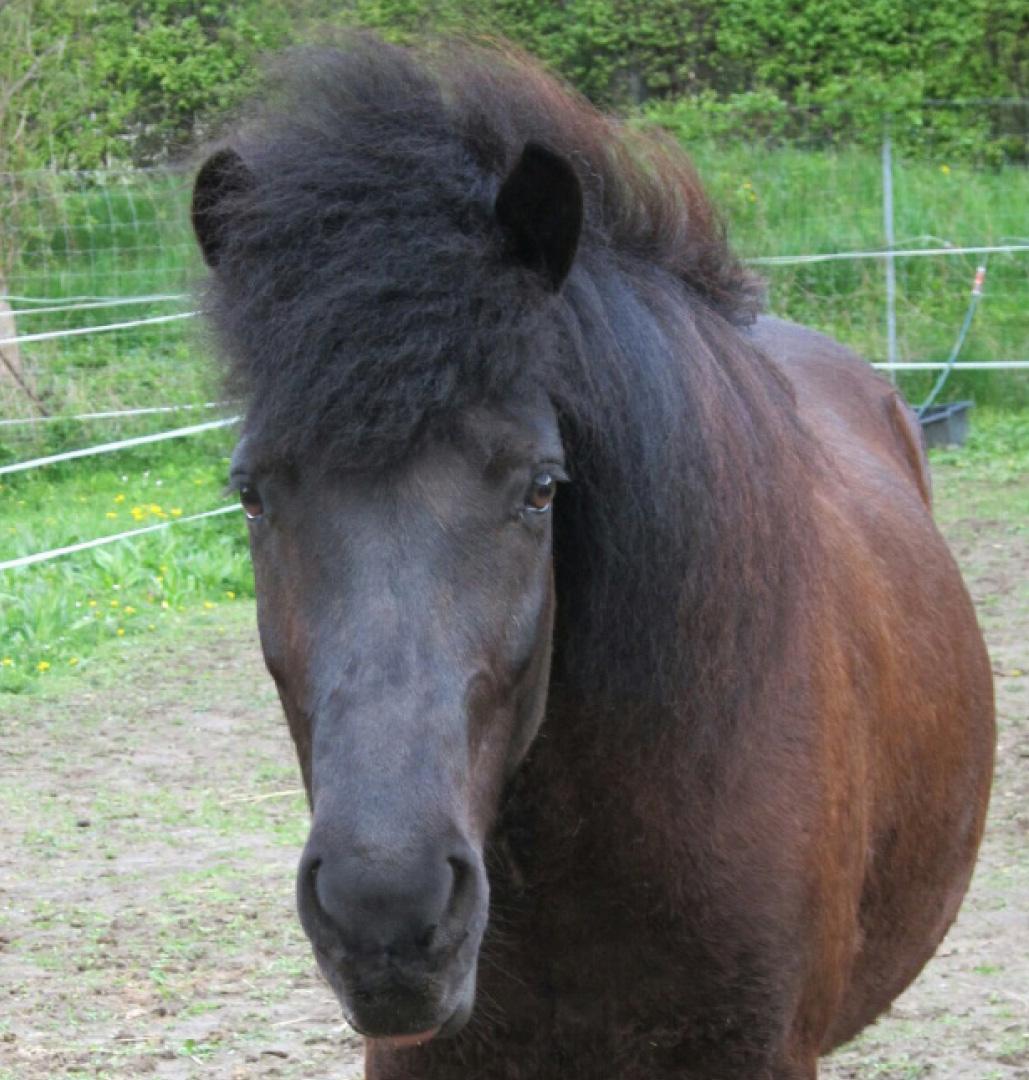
(112, 538)
(112, 447)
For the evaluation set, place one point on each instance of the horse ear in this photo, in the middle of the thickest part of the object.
(540, 210)
(221, 176)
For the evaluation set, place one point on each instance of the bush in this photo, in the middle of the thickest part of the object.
(150, 74)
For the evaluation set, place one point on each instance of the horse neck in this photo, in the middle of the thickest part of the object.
(682, 558)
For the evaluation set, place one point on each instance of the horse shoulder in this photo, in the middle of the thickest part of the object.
(846, 400)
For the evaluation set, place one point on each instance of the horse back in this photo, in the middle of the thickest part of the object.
(903, 682)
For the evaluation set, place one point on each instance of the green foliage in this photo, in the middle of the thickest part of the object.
(617, 51)
(161, 67)
(129, 80)
(115, 81)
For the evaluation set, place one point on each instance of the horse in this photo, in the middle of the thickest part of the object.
(644, 718)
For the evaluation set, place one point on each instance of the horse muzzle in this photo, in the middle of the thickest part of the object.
(397, 937)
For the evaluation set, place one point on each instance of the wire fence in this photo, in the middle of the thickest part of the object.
(95, 273)
(878, 240)
(877, 243)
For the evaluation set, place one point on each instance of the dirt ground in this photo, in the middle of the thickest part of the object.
(150, 823)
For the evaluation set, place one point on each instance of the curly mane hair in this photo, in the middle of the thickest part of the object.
(365, 297)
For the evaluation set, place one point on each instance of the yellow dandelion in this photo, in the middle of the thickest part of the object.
(115, 603)
(129, 609)
(159, 580)
(231, 595)
(945, 169)
(121, 632)
(111, 515)
(92, 603)
(154, 508)
(7, 661)
(119, 498)
(208, 605)
(43, 665)
(73, 661)
(150, 626)
(163, 569)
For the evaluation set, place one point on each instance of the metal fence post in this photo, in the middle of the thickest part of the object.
(891, 268)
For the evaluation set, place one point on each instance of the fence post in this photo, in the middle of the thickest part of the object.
(891, 267)
(12, 370)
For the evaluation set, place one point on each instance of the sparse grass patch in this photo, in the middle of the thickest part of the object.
(987, 478)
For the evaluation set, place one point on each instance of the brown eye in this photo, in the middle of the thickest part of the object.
(250, 500)
(541, 493)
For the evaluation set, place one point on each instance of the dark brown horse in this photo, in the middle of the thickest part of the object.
(681, 773)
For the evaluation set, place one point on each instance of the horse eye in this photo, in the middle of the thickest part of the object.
(541, 493)
(250, 500)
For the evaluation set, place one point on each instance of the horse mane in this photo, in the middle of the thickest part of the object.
(365, 299)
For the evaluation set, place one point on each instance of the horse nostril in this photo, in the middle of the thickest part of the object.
(411, 911)
(427, 938)
(460, 869)
(311, 881)
(307, 887)
(462, 891)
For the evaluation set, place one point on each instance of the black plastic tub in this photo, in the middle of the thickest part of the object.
(946, 425)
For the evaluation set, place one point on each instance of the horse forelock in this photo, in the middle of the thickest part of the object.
(365, 299)
(365, 291)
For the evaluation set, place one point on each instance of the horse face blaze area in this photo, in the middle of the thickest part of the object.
(407, 617)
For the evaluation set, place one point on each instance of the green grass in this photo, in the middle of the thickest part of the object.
(106, 235)
(987, 478)
(55, 614)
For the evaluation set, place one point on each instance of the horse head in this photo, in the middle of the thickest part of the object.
(406, 614)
